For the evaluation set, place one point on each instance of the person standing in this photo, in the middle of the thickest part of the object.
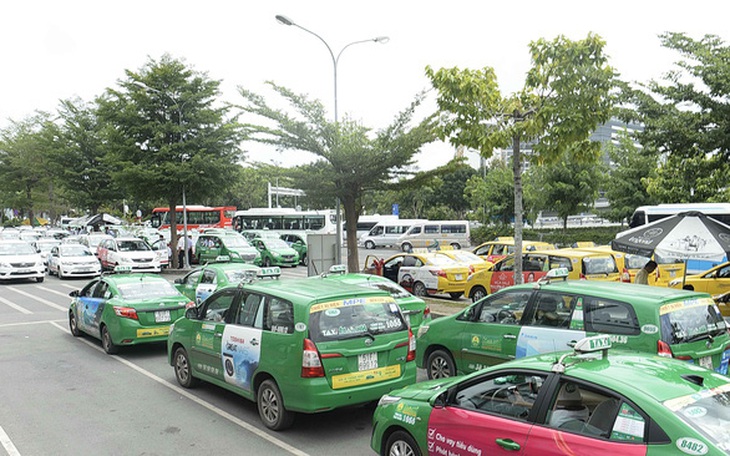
(642, 277)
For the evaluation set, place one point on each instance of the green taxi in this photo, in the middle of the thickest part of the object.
(295, 345)
(126, 309)
(546, 316)
(593, 400)
(214, 243)
(201, 282)
(275, 252)
(297, 241)
(414, 307)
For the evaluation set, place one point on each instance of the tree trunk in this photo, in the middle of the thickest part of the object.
(517, 170)
(173, 233)
(351, 217)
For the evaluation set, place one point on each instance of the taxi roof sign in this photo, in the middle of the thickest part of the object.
(585, 346)
(553, 274)
(222, 259)
(337, 269)
(271, 272)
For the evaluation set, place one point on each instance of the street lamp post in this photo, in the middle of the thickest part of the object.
(335, 60)
(178, 108)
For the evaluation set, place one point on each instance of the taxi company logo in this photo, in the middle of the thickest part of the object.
(368, 342)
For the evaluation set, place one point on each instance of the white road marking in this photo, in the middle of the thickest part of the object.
(181, 391)
(26, 323)
(71, 287)
(41, 300)
(8, 444)
(15, 306)
(51, 290)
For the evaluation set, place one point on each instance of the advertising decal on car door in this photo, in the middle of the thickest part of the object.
(241, 352)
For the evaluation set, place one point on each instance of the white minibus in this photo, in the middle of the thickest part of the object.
(434, 234)
(386, 234)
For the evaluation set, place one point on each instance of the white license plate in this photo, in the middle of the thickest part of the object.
(458, 276)
(367, 361)
(162, 315)
(706, 362)
(24, 270)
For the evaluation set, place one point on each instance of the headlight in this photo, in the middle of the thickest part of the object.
(388, 399)
(422, 330)
(235, 255)
(172, 327)
(276, 254)
(5, 265)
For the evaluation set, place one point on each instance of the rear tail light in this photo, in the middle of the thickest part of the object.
(626, 276)
(411, 346)
(439, 273)
(126, 312)
(471, 269)
(663, 349)
(189, 304)
(582, 276)
(311, 362)
(427, 313)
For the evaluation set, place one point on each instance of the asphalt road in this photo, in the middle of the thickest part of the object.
(63, 395)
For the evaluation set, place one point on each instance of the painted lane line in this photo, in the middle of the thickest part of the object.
(26, 323)
(70, 287)
(51, 290)
(179, 390)
(15, 306)
(41, 300)
(8, 444)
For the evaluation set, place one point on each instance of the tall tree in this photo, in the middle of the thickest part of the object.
(492, 196)
(168, 136)
(686, 118)
(567, 93)
(349, 161)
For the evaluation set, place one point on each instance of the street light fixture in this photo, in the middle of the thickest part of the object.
(178, 108)
(335, 60)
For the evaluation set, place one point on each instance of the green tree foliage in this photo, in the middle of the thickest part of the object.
(450, 191)
(26, 179)
(349, 162)
(567, 186)
(492, 197)
(686, 118)
(567, 94)
(626, 187)
(167, 135)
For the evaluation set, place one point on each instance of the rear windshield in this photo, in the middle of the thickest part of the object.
(353, 318)
(690, 320)
(708, 412)
(635, 261)
(599, 265)
(235, 241)
(133, 246)
(72, 250)
(147, 290)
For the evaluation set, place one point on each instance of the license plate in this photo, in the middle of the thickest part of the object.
(706, 362)
(162, 315)
(458, 276)
(367, 361)
(24, 270)
(672, 273)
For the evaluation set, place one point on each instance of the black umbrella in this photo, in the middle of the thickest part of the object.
(688, 235)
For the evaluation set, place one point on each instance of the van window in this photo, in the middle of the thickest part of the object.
(608, 316)
(376, 231)
(396, 229)
(431, 229)
(454, 229)
(331, 322)
(416, 230)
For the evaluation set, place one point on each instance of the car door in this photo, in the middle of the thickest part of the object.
(188, 284)
(207, 285)
(503, 273)
(53, 260)
(207, 342)
(241, 345)
(488, 415)
(92, 302)
(547, 327)
(492, 328)
(391, 268)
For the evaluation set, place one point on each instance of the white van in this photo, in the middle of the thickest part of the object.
(386, 234)
(434, 234)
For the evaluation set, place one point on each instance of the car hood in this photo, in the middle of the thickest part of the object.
(142, 254)
(424, 391)
(32, 258)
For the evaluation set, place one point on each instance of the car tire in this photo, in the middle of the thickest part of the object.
(401, 443)
(106, 342)
(271, 407)
(478, 293)
(184, 369)
(455, 295)
(40, 279)
(406, 247)
(440, 364)
(73, 325)
(305, 260)
(60, 274)
(419, 289)
(456, 246)
(369, 245)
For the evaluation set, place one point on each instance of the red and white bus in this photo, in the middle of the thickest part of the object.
(199, 217)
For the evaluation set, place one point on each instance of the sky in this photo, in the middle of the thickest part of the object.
(53, 50)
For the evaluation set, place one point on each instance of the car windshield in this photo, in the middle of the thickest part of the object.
(356, 317)
(16, 248)
(132, 246)
(235, 241)
(691, 320)
(239, 274)
(275, 244)
(147, 289)
(46, 246)
(72, 250)
(708, 412)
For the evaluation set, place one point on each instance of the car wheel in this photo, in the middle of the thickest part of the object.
(455, 295)
(456, 246)
(40, 279)
(73, 325)
(106, 342)
(440, 364)
(305, 260)
(689, 288)
(267, 262)
(406, 247)
(478, 293)
(183, 369)
(60, 274)
(419, 289)
(400, 443)
(369, 245)
(50, 272)
(271, 407)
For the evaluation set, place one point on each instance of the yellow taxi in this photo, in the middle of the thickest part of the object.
(667, 269)
(499, 248)
(715, 281)
(422, 273)
(581, 265)
(476, 263)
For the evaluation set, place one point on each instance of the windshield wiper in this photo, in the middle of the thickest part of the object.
(700, 337)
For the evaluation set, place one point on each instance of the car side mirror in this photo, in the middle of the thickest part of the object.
(179, 281)
(74, 293)
(440, 400)
(191, 313)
